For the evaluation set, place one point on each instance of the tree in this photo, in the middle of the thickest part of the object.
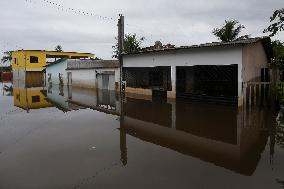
(278, 51)
(277, 23)
(7, 57)
(131, 45)
(58, 48)
(229, 31)
(278, 56)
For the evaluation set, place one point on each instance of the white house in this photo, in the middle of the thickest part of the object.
(56, 72)
(97, 74)
(215, 70)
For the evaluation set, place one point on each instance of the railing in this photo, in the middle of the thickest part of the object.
(257, 94)
(258, 98)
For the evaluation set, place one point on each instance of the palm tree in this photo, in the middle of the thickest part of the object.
(229, 31)
(7, 57)
(58, 48)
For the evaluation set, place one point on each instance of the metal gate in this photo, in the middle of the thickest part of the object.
(105, 81)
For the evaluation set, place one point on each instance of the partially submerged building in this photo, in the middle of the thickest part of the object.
(28, 65)
(207, 71)
(96, 74)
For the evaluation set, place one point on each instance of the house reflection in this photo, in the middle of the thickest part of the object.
(29, 98)
(67, 98)
(227, 136)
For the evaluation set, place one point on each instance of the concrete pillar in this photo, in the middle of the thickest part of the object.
(240, 86)
(172, 93)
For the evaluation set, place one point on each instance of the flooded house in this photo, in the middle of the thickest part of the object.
(212, 71)
(28, 65)
(94, 74)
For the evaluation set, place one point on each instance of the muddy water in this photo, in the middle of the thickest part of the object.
(64, 137)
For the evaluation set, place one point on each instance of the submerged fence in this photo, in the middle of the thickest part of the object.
(258, 94)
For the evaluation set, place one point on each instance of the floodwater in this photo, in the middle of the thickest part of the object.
(64, 137)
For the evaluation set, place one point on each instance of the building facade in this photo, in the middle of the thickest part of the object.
(94, 74)
(216, 70)
(28, 65)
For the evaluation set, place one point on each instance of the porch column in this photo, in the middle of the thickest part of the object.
(172, 94)
(240, 86)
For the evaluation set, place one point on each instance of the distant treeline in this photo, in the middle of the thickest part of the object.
(6, 69)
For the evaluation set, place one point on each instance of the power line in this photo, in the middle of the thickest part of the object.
(71, 10)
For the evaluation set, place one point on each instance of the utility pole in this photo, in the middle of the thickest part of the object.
(120, 39)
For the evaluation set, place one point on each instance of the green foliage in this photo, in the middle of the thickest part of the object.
(7, 57)
(131, 45)
(229, 31)
(58, 48)
(277, 22)
(278, 56)
(279, 130)
(280, 91)
(6, 69)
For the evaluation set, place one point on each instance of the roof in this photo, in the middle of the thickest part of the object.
(56, 54)
(91, 64)
(265, 40)
(56, 62)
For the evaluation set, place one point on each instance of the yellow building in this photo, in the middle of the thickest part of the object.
(36, 60)
(28, 65)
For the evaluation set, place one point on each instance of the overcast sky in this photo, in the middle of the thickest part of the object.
(36, 24)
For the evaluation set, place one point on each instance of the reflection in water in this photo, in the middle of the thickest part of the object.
(226, 136)
(280, 182)
(67, 98)
(29, 98)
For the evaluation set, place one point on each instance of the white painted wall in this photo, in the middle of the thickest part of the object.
(189, 57)
(84, 78)
(87, 77)
(55, 70)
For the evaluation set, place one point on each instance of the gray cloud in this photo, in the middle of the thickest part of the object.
(36, 25)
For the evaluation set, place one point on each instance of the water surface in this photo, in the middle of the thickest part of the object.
(64, 137)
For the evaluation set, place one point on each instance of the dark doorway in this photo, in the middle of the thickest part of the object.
(213, 83)
(160, 79)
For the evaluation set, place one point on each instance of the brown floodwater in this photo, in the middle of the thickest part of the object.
(64, 137)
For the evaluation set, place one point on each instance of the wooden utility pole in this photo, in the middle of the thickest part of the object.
(120, 39)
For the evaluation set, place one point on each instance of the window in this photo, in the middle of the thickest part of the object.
(35, 99)
(15, 61)
(33, 59)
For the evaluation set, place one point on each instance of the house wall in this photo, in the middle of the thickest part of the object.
(188, 57)
(254, 58)
(55, 70)
(87, 78)
(21, 60)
